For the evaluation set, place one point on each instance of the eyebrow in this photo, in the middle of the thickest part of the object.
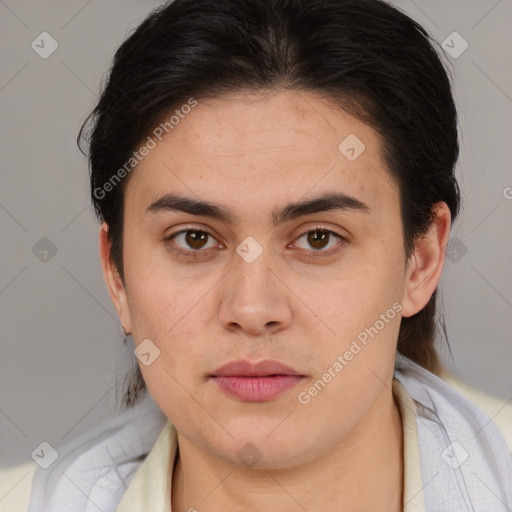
(326, 202)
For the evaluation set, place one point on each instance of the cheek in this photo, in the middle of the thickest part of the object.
(168, 308)
(152, 306)
(362, 308)
(363, 311)
(169, 318)
(352, 295)
(157, 292)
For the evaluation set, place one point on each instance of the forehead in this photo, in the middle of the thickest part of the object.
(259, 149)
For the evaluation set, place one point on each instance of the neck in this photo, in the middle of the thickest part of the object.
(363, 472)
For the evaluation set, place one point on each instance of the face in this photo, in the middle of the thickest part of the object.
(319, 289)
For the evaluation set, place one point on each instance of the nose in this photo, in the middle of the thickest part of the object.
(254, 299)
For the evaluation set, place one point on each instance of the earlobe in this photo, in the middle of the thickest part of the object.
(426, 264)
(115, 285)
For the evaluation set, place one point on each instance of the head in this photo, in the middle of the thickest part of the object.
(318, 137)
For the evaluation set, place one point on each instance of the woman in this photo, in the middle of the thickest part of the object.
(275, 182)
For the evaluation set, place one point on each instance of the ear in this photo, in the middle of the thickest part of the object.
(426, 264)
(113, 279)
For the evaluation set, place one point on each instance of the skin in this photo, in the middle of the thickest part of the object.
(253, 153)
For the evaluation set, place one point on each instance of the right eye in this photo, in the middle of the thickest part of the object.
(189, 242)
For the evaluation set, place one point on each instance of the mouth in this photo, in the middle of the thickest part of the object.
(255, 382)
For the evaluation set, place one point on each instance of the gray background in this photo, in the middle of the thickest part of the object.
(61, 343)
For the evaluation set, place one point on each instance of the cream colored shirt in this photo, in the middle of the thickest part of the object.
(150, 488)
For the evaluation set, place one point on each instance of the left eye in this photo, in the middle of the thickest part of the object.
(319, 239)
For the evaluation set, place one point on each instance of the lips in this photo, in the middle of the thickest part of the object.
(255, 382)
(244, 368)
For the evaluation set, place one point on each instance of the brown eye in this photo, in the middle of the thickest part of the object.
(320, 240)
(192, 240)
(196, 239)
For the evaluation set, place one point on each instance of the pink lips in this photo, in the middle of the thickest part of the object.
(255, 382)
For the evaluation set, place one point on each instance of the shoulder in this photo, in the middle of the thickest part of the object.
(97, 466)
(499, 410)
(464, 458)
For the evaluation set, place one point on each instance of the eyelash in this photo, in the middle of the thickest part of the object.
(199, 253)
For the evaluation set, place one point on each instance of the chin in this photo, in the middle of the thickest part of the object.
(260, 451)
